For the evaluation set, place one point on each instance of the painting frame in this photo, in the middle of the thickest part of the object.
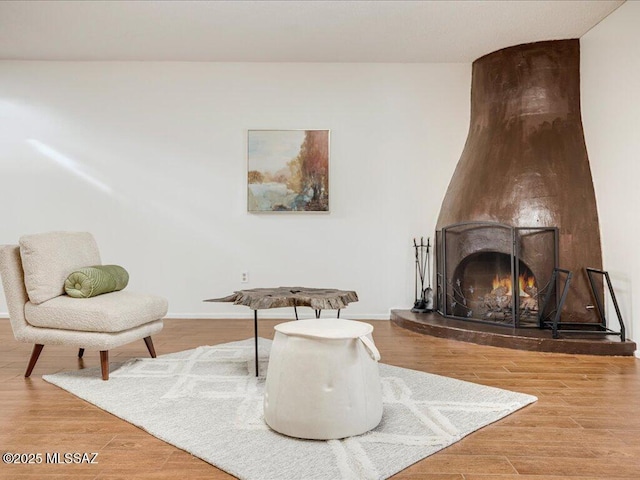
(288, 170)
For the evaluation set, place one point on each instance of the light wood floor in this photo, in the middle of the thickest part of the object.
(586, 424)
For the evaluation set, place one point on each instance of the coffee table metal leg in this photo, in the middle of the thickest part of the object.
(255, 334)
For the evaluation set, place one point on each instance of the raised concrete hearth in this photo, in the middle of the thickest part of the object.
(533, 339)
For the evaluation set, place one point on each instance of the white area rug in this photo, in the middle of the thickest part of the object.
(208, 402)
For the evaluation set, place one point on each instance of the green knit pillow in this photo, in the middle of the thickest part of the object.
(91, 281)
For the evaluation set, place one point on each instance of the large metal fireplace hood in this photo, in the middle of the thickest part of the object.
(525, 162)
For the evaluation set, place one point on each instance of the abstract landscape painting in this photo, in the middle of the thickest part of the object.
(288, 171)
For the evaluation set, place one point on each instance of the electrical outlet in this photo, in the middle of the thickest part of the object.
(244, 277)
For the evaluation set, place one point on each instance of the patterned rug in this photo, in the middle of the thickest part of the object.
(208, 402)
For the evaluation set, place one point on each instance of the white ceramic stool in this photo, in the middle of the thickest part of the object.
(322, 380)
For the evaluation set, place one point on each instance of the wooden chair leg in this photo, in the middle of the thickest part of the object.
(149, 343)
(104, 363)
(80, 353)
(37, 348)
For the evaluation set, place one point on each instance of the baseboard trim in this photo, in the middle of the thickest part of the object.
(273, 315)
(263, 314)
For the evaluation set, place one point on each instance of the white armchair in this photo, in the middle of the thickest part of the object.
(33, 275)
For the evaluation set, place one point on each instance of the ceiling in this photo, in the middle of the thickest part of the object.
(286, 31)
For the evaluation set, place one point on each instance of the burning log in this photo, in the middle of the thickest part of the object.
(498, 299)
(530, 302)
(501, 296)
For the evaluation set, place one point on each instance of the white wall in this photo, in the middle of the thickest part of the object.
(158, 171)
(610, 110)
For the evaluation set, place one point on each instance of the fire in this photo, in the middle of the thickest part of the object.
(523, 281)
(502, 282)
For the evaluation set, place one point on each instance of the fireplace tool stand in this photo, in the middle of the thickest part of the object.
(424, 303)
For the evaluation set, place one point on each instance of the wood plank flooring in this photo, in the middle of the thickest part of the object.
(585, 426)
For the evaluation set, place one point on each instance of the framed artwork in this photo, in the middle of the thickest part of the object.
(288, 171)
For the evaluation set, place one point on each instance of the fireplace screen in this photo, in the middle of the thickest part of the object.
(494, 273)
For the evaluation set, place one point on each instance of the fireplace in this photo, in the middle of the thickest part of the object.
(495, 273)
(521, 196)
(518, 227)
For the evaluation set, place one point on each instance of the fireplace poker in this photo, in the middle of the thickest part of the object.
(427, 294)
(415, 288)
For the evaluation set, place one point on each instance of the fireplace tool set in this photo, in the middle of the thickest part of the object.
(423, 270)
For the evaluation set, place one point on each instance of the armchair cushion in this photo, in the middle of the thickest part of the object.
(49, 258)
(111, 312)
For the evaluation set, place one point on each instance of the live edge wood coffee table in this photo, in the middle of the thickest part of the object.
(262, 298)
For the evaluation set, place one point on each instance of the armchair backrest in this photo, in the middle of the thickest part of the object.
(14, 289)
(49, 258)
